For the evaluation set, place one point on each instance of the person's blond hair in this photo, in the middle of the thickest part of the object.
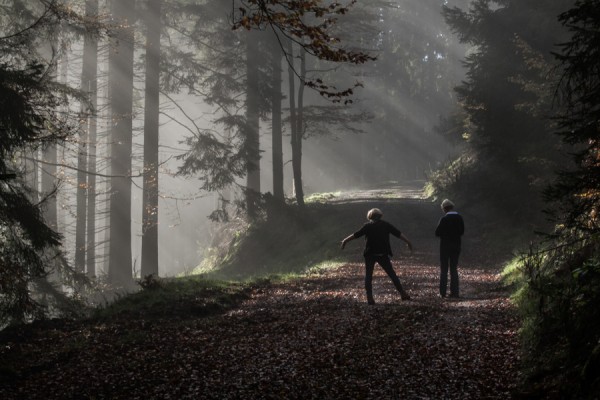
(447, 205)
(374, 213)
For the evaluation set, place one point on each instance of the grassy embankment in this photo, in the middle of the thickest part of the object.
(287, 245)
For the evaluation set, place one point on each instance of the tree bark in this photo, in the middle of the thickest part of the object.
(277, 140)
(151, 141)
(32, 173)
(297, 125)
(121, 102)
(88, 74)
(48, 168)
(252, 124)
(90, 61)
(48, 178)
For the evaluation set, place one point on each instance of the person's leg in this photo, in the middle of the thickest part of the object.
(369, 266)
(454, 273)
(443, 272)
(386, 264)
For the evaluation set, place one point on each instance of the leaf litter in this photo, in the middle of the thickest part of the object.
(312, 338)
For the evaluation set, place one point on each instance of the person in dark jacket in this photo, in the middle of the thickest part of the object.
(450, 229)
(378, 250)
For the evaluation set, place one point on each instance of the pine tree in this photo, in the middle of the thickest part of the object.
(91, 88)
(88, 108)
(577, 189)
(276, 124)
(151, 140)
(121, 103)
(508, 142)
(30, 100)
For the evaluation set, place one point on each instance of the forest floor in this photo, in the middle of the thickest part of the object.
(309, 338)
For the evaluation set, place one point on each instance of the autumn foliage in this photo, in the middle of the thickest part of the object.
(307, 23)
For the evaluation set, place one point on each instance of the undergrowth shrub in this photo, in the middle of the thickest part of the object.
(450, 180)
(558, 293)
(150, 282)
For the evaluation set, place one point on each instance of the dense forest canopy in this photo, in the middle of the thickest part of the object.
(184, 99)
(125, 124)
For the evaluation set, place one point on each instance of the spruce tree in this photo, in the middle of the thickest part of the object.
(29, 100)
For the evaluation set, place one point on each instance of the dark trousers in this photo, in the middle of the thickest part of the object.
(386, 264)
(449, 259)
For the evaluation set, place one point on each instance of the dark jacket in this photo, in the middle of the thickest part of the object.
(377, 234)
(450, 229)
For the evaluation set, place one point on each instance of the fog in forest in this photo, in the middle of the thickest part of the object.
(182, 181)
(388, 134)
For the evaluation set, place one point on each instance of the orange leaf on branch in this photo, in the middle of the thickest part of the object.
(289, 19)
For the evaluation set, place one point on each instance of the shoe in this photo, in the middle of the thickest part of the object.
(454, 296)
(441, 296)
(405, 296)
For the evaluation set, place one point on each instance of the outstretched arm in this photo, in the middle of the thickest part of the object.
(346, 240)
(405, 240)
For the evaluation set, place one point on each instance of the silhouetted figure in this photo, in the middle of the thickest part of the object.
(450, 229)
(378, 250)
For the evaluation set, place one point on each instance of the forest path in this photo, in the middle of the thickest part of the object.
(311, 338)
(317, 338)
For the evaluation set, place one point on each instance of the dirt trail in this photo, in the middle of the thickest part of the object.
(315, 338)
(318, 339)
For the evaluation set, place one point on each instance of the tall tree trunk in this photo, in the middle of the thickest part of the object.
(121, 97)
(82, 184)
(296, 116)
(277, 141)
(90, 75)
(49, 185)
(292, 100)
(151, 122)
(104, 139)
(63, 77)
(364, 144)
(32, 173)
(91, 196)
(252, 123)
(45, 184)
(48, 165)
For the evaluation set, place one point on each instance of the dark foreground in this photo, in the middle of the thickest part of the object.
(313, 338)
